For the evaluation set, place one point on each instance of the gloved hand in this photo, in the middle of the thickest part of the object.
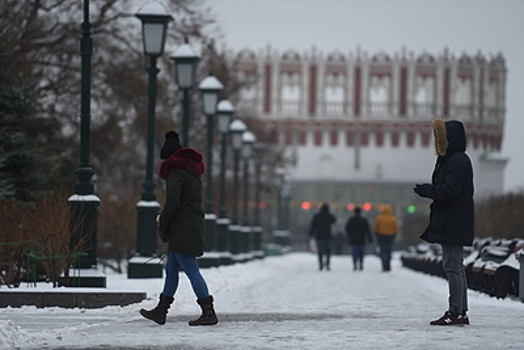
(422, 189)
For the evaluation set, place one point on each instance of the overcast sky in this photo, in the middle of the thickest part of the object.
(491, 26)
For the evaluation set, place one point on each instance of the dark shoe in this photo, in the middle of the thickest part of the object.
(159, 313)
(464, 319)
(449, 320)
(208, 316)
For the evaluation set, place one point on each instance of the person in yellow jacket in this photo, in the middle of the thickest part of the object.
(386, 227)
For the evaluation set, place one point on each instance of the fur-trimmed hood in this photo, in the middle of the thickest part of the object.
(186, 159)
(450, 136)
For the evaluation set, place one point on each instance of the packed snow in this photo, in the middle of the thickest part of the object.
(281, 302)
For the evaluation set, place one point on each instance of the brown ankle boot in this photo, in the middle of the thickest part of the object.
(159, 313)
(208, 316)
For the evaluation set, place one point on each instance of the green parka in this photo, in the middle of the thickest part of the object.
(183, 215)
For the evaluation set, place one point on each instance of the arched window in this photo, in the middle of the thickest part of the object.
(290, 94)
(379, 96)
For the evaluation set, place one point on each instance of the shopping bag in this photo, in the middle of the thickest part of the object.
(313, 245)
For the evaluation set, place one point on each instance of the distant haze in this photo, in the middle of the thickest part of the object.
(466, 26)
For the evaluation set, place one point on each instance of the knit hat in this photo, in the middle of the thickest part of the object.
(171, 145)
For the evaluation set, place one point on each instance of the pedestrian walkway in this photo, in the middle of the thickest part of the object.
(279, 303)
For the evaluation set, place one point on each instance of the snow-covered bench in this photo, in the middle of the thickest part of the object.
(504, 277)
(492, 265)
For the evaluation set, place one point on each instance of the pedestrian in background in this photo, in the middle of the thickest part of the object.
(182, 223)
(320, 230)
(358, 232)
(451, 220)
(386, 228)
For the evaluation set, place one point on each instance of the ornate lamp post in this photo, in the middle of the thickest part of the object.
(236, 128)
(210, 87)
(84, 203)
(281, 234)
(248, 139)
(225, 111)
(186, 61)
(257, 229)
(155, 19)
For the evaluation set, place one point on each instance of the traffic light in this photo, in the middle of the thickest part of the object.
(305, 205)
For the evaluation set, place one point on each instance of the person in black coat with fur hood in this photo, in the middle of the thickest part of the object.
(182, 221)
(451, 221)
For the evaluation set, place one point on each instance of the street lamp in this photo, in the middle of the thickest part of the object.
(84, 203)
(155, 19)
(210, 87)
(248, 139)
(236, 128)
(257, 229)
(186, 61)
(225, 111)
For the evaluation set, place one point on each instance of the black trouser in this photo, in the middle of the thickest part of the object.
(324, 249)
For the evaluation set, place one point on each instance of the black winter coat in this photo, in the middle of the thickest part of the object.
(357, 229)
(321, 224)
(452, 210)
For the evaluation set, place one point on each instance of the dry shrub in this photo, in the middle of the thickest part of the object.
(15, 242)
(38, 234)
(117, 228)
(50, 227)
(501, 216)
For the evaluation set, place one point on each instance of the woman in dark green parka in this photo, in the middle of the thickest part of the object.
(182, 220)
(183, 216)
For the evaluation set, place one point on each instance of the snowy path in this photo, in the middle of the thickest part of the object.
(280, 303)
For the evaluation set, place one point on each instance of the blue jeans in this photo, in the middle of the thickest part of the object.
(385, 242)
(453, 265)
(358, 255)
(189, 264)
(324, 250)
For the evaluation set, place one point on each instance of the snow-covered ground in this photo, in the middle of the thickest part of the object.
(279, 303)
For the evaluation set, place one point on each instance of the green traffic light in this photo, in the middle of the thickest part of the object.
(411, 209)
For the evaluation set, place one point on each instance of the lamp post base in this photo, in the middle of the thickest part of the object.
(146, 240)
(145, 267)
(247, 239)
(210, 259)
(258, 253)
(224, 241)
(86, 278)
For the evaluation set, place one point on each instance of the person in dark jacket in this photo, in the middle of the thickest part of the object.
(182, 220)
(358, 232)
(451, 222)
(320, 230)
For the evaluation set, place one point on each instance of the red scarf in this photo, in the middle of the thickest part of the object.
(186, 159)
